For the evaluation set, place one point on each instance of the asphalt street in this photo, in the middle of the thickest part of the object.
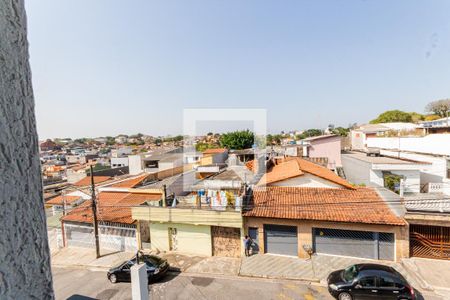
(84, 284)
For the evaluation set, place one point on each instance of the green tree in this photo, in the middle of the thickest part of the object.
(416, 117)
(341, 131)
(309, 133)
(237, 140)
(392, 116)
(110, 141)
(439, 107)
(201, 146)
(432, 117)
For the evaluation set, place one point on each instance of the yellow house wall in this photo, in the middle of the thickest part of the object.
(305, 236)
(189, 216)
(191, 239)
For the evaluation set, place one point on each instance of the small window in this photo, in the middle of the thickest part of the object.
(367, 282)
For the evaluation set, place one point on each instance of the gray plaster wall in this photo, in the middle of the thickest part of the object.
(24, 253)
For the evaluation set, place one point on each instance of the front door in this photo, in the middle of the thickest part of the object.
(253, 234)
(173, 244)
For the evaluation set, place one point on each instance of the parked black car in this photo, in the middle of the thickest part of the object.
(369, 281)
(156, 268)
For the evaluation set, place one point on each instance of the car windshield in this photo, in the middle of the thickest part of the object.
(350, 273)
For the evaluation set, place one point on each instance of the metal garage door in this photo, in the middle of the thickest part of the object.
(280, 239)
(79, 236)
(364, 244)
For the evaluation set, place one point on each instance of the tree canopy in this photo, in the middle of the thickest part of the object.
(237, 140)
(340, 131)
(439, 107)
(309, 133)
(393, 116)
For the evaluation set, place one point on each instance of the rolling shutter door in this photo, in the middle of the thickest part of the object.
(280, 239)
(364, 244)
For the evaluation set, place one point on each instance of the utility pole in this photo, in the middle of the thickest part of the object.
(94, 213)
(64, 202)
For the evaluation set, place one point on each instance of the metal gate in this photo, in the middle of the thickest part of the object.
(226, 241)
(364, 244)
(430, 241)
(280, 239)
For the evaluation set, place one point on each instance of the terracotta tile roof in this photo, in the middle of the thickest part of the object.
(322, 172)
(251, 165)
(132, 182)
(283, 171)
(291, 167)
(59, 200)
(215, 151)
(361, 205)
(87, 180)
(114, 207)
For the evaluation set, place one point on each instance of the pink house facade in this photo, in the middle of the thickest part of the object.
(328, 146)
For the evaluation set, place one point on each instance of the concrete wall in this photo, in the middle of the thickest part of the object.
(436, 172)
(432, 143)
(356, 171)
(135, 164)
(117, 162)
(24, 250)
(411, 179)
(362, 172)
(329, 148)
(358, 140)
(305, 232)
(191, 239)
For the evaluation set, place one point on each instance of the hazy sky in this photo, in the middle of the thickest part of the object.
(110, 67)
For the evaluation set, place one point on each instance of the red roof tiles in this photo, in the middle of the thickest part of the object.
(283, 171)
(215, 151)
(361, 205)
(114, 207)
(87, 180)
(59, 200)
(291, 167)
(130, 183)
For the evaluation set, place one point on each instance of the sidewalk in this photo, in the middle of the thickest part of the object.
(277, 266)
(435, 273)
(425, 275)
(318, 268)
(85, 257)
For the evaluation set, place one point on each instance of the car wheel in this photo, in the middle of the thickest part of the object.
(113, 278)
(345, 296)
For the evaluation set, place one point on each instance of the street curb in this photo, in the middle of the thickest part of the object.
(88, 267)
(314, 282)
(311, 280)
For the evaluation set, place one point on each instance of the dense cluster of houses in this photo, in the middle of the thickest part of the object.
(384, 197)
